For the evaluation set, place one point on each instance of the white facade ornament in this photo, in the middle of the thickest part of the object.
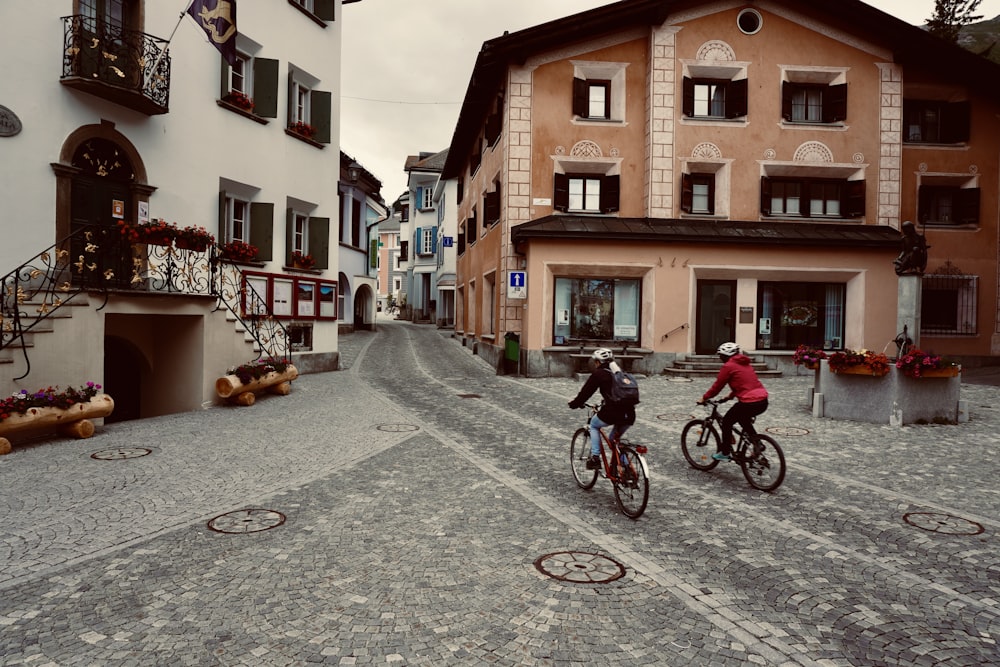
(716, 50)
(706, 149)
(858, 158)
(770, 154)
(922, 167)
(586, 148)
(973, 169)
(614, 152)
(813, 151)
(560, 150)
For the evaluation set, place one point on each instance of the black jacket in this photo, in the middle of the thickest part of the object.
(610, 413)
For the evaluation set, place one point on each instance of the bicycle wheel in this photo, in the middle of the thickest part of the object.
(765, 469)
(698, 442)
(579, 452)
(632, 484)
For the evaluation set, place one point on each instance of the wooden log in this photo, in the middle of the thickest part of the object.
(4, 446)
(79, 430)
(246, 398)
(101, 405)
(280, 389)
(230, 385)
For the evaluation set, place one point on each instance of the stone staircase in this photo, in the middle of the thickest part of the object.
(708, 365)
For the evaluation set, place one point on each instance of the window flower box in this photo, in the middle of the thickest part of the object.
(303, 129)
(864, 362)
(193, 238)
(239, 100)
(238, 251)
(302, 261)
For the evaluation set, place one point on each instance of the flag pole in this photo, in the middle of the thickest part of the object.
(159, 58)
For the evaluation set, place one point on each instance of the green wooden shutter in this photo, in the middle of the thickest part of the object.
(289, 235)
(262, 229)
(222, 233)
(322, 106)
(373, 254)
(224, 78)
(265, 87)
(319, 241)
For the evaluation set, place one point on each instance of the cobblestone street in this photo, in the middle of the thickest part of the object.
(412, 509)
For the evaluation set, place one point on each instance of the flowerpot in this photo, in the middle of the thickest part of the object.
(72, 421)
(811, 365)
(187, 244)
(859, 369)
(158, 239)
(945, 372)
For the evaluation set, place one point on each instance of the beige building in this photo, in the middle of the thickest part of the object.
(664, 180)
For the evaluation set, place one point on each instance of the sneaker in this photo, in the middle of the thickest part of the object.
(719, 456)
(594, 463)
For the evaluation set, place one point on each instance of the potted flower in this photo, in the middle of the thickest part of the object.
(864, 362)
(238, 251)
(193, 238)
(239, 99)
(808, 356)
(301, 260)
(67, 410)
(154, 232)
(917, 363)
(303, 129)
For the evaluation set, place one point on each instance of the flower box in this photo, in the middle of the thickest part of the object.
(943, 372)
(73, 421)
(187, 244)
(234, 389)
(861, 369)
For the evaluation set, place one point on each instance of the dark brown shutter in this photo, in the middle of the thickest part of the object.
(610, 193)
(687, 192)
(581, 97)
(955, 122)
(560, 193)
(854, 206)
(765, 195)
(835, 103)
(687, 104)
(967, 206)
(736, 99)
(787, 89)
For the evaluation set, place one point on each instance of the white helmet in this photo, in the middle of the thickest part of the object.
(728, 349)
(602, 355)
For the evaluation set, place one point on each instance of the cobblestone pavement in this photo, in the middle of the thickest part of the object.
(409, 497)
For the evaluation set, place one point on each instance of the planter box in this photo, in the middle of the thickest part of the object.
(73, 421)
(860, 369)
(229, 386)
(890, 399)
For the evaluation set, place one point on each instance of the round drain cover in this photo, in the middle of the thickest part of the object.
(580, 567)
(942, 523)
(121, 453)
(397, 428)
(787, 430)
(246, 521)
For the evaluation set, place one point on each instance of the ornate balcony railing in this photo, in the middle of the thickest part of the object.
(97, 259)
(116, 64)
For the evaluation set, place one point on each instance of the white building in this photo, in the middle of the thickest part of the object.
(104, 139)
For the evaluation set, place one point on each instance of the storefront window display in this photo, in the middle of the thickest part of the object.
(596, 309)
(793, 314)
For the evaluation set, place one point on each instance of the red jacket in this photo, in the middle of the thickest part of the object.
(741, 378)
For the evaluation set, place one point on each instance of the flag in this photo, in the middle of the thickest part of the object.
(218, 19)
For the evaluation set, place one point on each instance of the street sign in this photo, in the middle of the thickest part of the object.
(517, 284)
(447, 241)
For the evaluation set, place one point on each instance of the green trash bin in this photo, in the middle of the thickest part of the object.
(512, 352)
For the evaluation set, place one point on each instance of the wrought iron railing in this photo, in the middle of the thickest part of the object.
(94, 49)
(98, 259)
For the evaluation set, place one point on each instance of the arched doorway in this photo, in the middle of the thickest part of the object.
(364, 308)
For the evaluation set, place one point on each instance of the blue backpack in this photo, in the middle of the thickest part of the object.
(625, 390)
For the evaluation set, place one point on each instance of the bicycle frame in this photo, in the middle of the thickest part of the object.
(611, 472)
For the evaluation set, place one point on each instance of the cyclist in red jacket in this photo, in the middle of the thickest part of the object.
(745, 386)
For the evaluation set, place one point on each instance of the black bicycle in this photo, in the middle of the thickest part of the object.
(759, 456)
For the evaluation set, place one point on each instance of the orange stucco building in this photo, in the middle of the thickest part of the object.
(666, 176)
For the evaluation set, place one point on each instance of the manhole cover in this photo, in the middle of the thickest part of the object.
(787, 430)
(469, 396)
(942, 523)
(579, 567)
(246, 521)
(680, 380)
(397, 428)
(675, 416)
(120, 453)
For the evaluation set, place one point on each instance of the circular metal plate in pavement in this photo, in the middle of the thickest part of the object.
(946, 524)
(579, 567)
(397, 428)
(120, 453)
(246, 521)
(786, 430)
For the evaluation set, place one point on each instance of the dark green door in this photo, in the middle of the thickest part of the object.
(716, 317)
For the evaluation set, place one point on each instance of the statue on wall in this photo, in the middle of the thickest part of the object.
(912, 259)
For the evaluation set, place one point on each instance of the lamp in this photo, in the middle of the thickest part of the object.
(354, 172)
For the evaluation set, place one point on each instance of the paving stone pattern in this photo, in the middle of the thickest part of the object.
(419, 488)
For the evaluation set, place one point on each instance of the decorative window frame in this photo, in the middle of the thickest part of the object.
(813, 75)
(604, 71)
(968, 181)
(716, 60)
(706, 158)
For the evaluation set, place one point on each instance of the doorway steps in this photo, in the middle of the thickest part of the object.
(708, 365)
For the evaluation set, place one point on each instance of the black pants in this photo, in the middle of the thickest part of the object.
(743, 414)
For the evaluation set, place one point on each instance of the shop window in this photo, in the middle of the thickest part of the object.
(596, 309)
(797, 313)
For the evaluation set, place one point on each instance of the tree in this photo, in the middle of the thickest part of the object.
(950, 16)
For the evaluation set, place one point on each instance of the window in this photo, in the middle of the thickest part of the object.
(586, 193)
(306, 234)
(238, 82)
(300, 233)
(300, 103)
(309, 109)
(599, 91)
(935, 122)
(698, 193)
(301, 298)
(300, 336)
(252, 83)
(491, 206)
(243, 219)
(425, 198)
(814, 95)
(237, 220)
(800, 313)
(426, 240)
(714, 98)
(471, 228)
(948, 205)
(812, 197)
(596, 309)
(948, 304)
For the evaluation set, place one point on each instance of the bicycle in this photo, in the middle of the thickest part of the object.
(625, 466)
(760, 457)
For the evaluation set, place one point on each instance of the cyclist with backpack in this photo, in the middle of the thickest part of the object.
(620, 393)
(745, 386)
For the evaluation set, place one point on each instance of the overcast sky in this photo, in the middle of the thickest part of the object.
(406, 67)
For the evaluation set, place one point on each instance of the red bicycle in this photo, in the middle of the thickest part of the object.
(621, 462)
